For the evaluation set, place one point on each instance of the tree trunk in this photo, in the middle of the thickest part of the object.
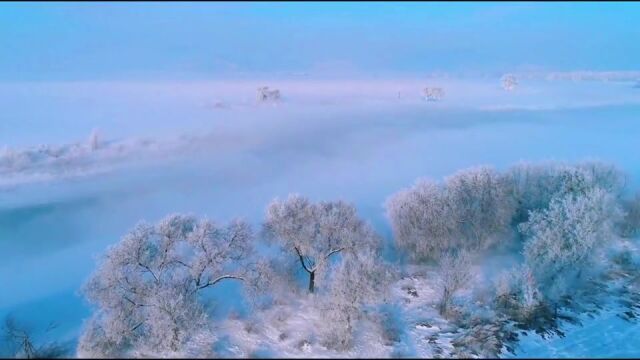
(312, 276)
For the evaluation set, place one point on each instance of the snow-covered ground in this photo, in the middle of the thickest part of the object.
(408, 325)
(606, 336)
(209, 148)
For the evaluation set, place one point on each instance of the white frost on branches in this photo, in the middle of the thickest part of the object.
(146, 288)
(455, 273)
(360, 280)
(314, 233)
(568, 236)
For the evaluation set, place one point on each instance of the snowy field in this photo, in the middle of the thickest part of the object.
(210, 149)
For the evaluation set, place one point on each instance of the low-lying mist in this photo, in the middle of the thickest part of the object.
(212, 149)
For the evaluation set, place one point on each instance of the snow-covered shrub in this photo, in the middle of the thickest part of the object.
(146, 288)
(568, 236)
(86, 157)
(313, 233)
(390, 324)
(455, 273)
(529, 293)
(517, 293)
(360, 280)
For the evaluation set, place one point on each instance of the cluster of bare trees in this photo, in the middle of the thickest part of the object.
(149, 288)
(561, 217)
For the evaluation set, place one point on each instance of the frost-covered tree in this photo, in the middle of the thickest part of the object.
(147, 287)
(480, 205)
(517, 291)
(455, 273)
(567, 236)
(315, 232)
(470, 210)
(421, 220)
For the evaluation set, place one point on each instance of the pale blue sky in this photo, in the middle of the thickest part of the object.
(40, 41)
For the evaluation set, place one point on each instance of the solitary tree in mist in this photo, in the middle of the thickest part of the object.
(509, 82)
(315, 232)
(146, 288)
(433, 93)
